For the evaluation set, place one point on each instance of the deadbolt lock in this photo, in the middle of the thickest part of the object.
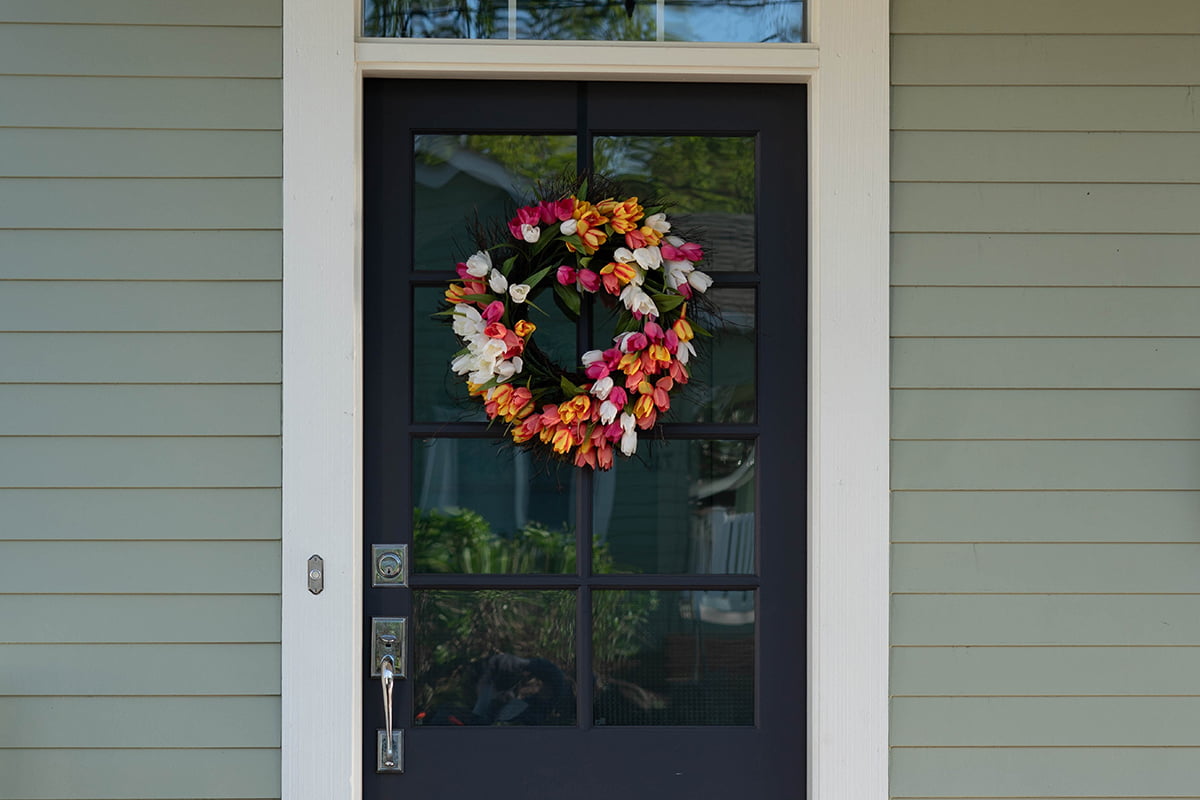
(390, 565)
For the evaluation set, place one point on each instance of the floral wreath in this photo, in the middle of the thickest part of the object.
(617, 250)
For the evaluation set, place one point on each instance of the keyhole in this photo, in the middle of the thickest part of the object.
(389, 565)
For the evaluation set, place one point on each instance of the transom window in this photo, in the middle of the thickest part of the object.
(758, 21)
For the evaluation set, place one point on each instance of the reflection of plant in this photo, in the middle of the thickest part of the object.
(455, 630)
(463, 542)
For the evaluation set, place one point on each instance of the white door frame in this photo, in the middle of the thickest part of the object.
(846, 68)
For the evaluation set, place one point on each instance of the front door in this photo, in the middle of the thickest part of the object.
(637, 633)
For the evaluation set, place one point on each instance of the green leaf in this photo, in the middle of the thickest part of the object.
(569, 388)
(536, 278)
(698, 330)
(568, 297)
(534, 306)
(667, 302)
(478, 298)
(507, 266)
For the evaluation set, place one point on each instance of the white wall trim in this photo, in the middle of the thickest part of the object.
(848, 488)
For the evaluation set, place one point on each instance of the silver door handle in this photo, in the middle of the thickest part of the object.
(387, 670)
(388, 655)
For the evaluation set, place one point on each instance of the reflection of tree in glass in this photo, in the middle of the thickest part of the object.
(605, 20)
(528, 158)
(696, 173)
(457, 630)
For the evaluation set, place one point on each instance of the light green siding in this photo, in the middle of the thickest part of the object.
(140, 325)
(1046, 399)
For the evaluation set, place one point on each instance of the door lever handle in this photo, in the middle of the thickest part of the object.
(387, 657)
(387, 670)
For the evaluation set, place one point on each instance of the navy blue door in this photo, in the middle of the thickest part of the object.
(638, 633)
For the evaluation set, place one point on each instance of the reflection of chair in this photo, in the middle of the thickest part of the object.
(724, 545)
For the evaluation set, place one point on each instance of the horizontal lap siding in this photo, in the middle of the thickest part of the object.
(1046, 399)
(140, 329)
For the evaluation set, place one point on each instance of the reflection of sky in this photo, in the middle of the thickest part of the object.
(684, 20)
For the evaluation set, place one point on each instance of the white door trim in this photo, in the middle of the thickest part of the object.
(847, 69)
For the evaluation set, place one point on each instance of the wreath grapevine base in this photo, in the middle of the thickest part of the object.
(625, 255)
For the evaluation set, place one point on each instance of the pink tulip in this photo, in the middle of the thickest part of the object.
(589, 280)
(566, 275)
(494, 311)
(618, 397)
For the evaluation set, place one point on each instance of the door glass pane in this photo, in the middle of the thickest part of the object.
(436, 19)
(683, 507)
(483, 507)
(709, 181)
(462, 177)
(494, 657)
(673, 657)
(734, 21)
(602, 20)
(439, 395)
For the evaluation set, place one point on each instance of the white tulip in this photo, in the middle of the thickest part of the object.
(675, 241)
(602, 387)
(505, 370)
(591, 357)
(637, 301)
(658, 222)
(700, 281)
(629, 437)
(608, 412)
(479, 264)
(497, 282)
(648, 257)
(624, 255)
(531, 233)
(686, 351)
(568, 227)
(519, 292)
(467, 320)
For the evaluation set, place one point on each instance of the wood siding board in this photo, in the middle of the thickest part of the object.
(949, 620)
(131, 618)
(1043, 516)
(130, 514)
(1046, 363)
(1044, 311)
(1045, 671)
(1046, 722)
(64, 723)
(139, 567)
(140, 669)
(115, 50)
(1044, 772)
(145, 12)
(171, 203)
(1042, 414)
(141, 306)
(142, 410)
(163, 774)
(1046, 60)
(137, 462)
(1046, 108)
(966, 259)
(1045, 16)
(46, 101)
(1045, 157)
(82, 153)
(1044, 208)
(1045, 568)
(141, 255)
(1046, 465)
(140, 358)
